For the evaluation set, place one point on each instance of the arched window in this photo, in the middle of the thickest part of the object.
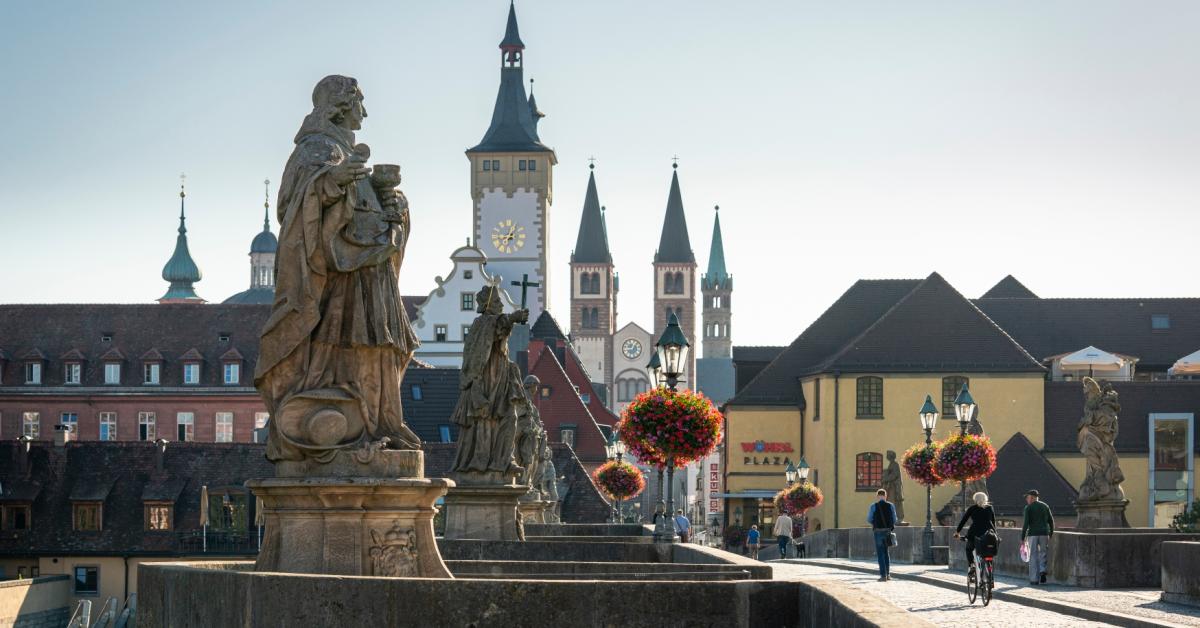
(595, 318)
(870, 397)
(595, 283)
(868, 471)
(678, 283)
(950, 387)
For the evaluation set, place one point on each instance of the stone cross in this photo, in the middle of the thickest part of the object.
(525, 285)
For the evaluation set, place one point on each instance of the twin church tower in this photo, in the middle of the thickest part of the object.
(512, 190)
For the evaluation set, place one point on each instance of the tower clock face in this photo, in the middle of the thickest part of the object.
(631, 349)
(508, 236)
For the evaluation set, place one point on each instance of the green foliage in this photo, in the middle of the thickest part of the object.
(1188, 520)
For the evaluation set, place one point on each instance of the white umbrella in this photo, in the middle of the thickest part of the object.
(1092, 359)
(1187, 365)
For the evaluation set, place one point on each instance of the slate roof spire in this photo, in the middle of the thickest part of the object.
(534, 112)
(674, 245)
(514, 126)
(716, 275)
(265, 241)
(181, 271)
(591, 246)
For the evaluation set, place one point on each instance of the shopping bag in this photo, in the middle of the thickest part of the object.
(1025, 551)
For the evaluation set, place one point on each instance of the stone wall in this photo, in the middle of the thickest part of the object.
(1180, 577)
(35, 603)
(181, 594)
(859, 543)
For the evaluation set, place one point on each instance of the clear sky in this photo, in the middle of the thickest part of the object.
(1057, 141)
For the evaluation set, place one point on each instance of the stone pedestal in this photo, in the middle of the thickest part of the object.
(1105, 513)
(487, 512)
(352, 516)
(550, 512)
(531, 511)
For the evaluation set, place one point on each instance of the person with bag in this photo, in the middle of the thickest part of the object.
(881, 516)
(1038, 527)
(983, 519)
(783, 533)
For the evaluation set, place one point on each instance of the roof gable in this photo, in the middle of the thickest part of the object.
(562, 406)
(1009, 288)
(1021, 467)
(546, 328)
(903, 340)
(862, 304)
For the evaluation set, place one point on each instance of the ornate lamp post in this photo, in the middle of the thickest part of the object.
(610, 454)
(654, 371)
(791, 474)
(929, 417)
(964, 409)
(672, 350)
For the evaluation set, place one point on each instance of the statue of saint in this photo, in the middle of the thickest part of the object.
(336, 345)
(530, 436)
(490, 394)
(892, 484)
(1097, 436)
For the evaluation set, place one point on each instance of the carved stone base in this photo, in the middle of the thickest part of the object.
(550, 512)
(359, 526)
(1108, 513)
(535, 511)
(484, 512)
(368, 461)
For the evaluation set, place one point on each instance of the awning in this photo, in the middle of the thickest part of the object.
(1187, 365)
(749, 495)
(1092, 359)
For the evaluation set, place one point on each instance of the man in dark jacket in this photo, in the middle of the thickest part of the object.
(1038, 527)
(882, 518)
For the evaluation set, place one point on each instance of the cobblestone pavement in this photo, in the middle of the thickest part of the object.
(1142, 603)
(940, 606)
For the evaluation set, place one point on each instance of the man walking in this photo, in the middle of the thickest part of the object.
(783, 533)
(683, 526)
(1038, 527)
(882, 518)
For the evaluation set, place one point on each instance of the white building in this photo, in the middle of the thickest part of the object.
(443, 319)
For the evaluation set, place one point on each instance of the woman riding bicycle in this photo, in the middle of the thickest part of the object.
(982, 518)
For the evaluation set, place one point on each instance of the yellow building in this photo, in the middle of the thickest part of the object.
(847, 391)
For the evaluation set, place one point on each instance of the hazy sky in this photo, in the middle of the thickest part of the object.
(1058, 141)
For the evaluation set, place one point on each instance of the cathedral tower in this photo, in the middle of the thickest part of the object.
(675, 277)
(716, 286)
(593, 290)
(512, 182)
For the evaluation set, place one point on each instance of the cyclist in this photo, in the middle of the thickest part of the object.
(982, 518)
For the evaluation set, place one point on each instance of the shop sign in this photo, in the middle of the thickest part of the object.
(761, 447)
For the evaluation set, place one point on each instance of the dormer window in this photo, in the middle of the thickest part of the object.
(33, 373)
(233, 373)
(151, 373)
(72, 372)
(87, 516)
(191, 373)
(159, 516)
(112, 373)
(1160, 322)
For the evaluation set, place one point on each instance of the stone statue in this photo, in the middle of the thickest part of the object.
(490, 394)
(336, 345)
(548, 483)
(1096, 441)
(530, 436)
(892, 484)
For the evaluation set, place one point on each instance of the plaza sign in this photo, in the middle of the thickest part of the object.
(760, 446)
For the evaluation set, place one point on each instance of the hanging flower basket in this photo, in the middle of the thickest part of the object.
(965, 457)
(620, 480)
(798, 498)
(919, 462)
(662, 424)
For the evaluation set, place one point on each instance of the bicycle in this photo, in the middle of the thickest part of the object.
(981, 576)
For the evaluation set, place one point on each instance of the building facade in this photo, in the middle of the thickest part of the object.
(443, 318)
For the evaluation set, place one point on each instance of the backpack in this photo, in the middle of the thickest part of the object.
(988, 544)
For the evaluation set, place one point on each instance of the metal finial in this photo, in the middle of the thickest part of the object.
(591, 163)
(182, 180)
(266, 205)
(716, 208)
(603, 209)
(530, 86)
(675, 161)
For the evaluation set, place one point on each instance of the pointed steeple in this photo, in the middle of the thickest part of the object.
(534, 112)
(674, 245)
(591, 246)
(265, 241)
(181, 271)
(513, 127)
(716, 275)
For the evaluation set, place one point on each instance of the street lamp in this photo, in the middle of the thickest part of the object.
(654, 370)
(802, 470)
(964, 409)
(790, 473)
(929, 417)
(672, 350)
(610, 453)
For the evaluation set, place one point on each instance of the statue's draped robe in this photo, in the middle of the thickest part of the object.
(1096, 441)
(337, 319)
(529, 441)
(891, 483)
(489, 394)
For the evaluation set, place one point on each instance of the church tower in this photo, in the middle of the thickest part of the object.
(593, 290)
(512, 182)
(262, 261)
(181, 271)
(675, 277)
(716, 286)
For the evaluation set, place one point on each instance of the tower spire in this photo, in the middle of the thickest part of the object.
(591, 245)
(514, 118)
(266, 205)
(181, 271)
(674, 245)
(716, 274)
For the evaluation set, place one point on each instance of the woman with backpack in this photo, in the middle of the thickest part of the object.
(982, 519)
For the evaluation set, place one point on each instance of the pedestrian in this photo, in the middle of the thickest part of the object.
(982, 518)
(752, 542)
(882, 518)
(783, 533)
(1038, 527)
(683, 526)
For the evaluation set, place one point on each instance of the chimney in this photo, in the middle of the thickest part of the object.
(160, 452)
(63, 434)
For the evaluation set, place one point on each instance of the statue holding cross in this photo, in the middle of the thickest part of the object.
(525, 285)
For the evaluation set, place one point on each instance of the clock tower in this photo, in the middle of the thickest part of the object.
(512, 182)
(593, 291)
